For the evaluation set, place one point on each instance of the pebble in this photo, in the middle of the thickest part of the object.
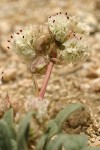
(9, 74)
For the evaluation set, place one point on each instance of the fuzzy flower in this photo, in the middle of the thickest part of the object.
(40, 106)
(74, 50)
(62, 26)
(61, 39)
(76, 25)
(59, 25)
(29, 45)
(71, 32)
(23, 43)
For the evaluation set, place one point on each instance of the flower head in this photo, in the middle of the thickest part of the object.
(23, 43)
(62, 38)
(58, 25)
(40, 106)
(32, 45)
(74, 50)
(78, 26)
(71, 32)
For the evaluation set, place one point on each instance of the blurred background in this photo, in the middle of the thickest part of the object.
(68, 84)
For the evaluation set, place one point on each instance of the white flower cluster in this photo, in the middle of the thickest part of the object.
(71, 33)
(62, 37)
(26, 44)
(61, 26)
(39, 105)
(23, 42)
(74, 51)
(58, 26)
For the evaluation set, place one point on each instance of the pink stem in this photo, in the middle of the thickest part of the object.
(46, 80)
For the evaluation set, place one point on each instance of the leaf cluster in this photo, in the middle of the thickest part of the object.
(9, 138)
(55, 138)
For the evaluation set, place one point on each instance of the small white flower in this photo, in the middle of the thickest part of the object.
(78, 26)
(23, 43)
(40, 106)
(75, 50)
(41, 41)
(59, 26)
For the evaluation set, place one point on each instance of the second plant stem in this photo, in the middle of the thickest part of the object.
(46, 80)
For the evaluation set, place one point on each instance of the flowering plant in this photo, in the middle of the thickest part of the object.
(61, 40)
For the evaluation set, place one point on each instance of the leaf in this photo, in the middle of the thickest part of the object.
(53, 130)
(8, 117)
(42, 142)
(14, 145)
(23, 131)
(77, 142)
(92, 148)
(5, 136)
(68, 142)
(55, 125)
(65, 113)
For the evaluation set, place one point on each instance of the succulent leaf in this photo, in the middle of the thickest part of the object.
(14, 145)
(64, 114)
(55, 126)
(23, 131)
(5, 136)
(8, 117)
(42, 142)
(68, 142)
(91, 148)
(53, 130)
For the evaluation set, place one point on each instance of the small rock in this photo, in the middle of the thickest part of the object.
(9, 74)
(95, 85)
(78, 121)
(97, 142)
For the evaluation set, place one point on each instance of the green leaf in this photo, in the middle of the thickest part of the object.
(14, 145)
(77, 142)
(42, 142)
(8, 117)
(65, 113)
(69, 142)
(80, 140)
(53, 130)
(54, 126)
(23, 131)
(92, 148)
(5, 136)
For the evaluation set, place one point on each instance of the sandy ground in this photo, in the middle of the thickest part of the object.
(68, 84)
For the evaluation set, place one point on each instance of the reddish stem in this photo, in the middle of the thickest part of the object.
(46, 80)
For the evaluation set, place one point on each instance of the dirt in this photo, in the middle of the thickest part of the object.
(68, 83)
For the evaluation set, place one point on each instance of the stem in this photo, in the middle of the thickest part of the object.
(36, 88)
(46, 80)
